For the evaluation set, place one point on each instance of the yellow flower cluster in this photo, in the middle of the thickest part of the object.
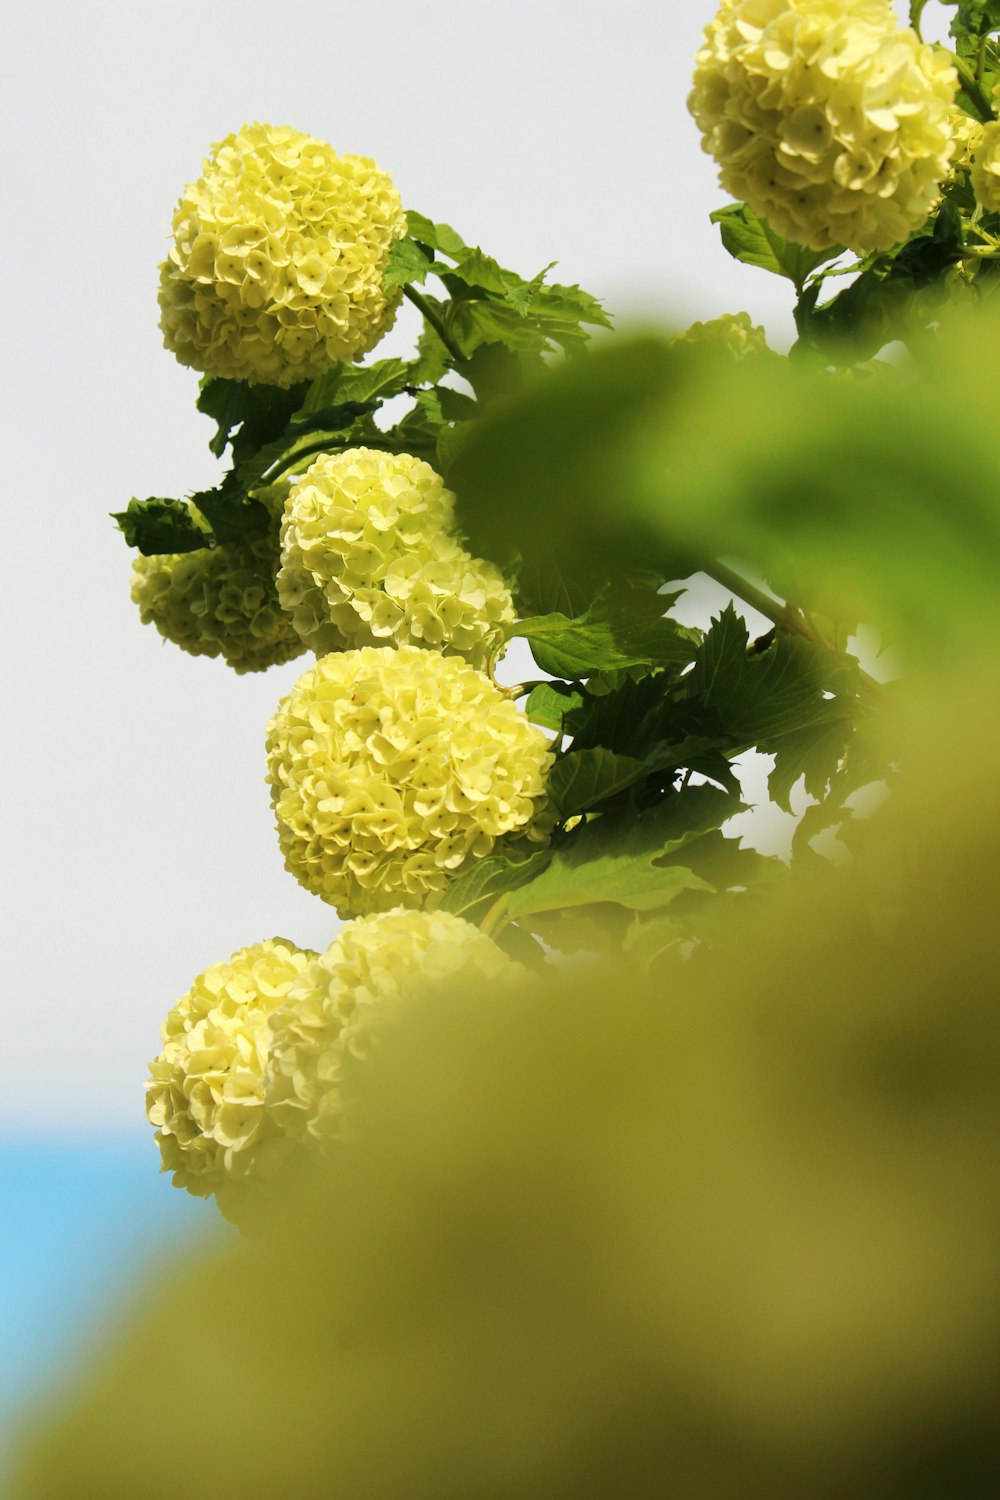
(368, 557)
(392, 769)
(333, 1013)
(219, 601)
(278, 257)
(206, 1089)
(985, 175)
(827, 117)
(732, 332)
(968, 137)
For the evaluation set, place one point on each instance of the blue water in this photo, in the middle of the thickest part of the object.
(81, 1226)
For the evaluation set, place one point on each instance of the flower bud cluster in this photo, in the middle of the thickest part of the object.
(368, 558)
(278, 257)
(219, 601)
(827, 117)
(206, 1090)
(391, 770)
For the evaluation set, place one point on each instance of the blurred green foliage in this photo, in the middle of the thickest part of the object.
(720, 1225)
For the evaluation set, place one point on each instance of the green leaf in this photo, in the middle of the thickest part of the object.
(358, 383)
(974, 18)
(581, 779)
(550, 702)
(456, 406)
(408, 263)
(435, 236)
(814, 752)
(156, 526)
(627, 629)
(617, 860)
(760, 696)
(475, 891)
(753, 241)
(260, 412)
(230, 511)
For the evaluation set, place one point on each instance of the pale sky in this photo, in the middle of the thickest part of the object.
(140, 845)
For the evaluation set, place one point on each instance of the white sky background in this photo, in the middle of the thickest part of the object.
(139, 841)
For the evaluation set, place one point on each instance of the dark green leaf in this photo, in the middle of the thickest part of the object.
(760, 696)
(156, 526)
(260, 412)
(230, 511)
(582, 779)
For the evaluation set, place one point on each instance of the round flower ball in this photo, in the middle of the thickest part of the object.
(206, 1090)
(985, 174)
(830, 119)
(279, 253)
(220, 601)
(392, 770)
(368, 557)
(333, 1013)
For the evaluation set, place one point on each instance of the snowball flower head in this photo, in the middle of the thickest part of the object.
(335, 1010)
(278, 257)
(206, 1088)
(368, 557)
(392, 770)
(985, 175)
(827, 117)
(219, 601)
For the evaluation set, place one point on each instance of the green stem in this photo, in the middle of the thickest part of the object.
(981, 58)
(785, 616)
(430, 315)
(322, 445)
(496, 917)
(973, 90)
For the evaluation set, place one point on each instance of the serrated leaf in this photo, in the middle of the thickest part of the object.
(230, 511)
(759, 697)
(814, 752)
(752, 240)
(616, 860)
(358, 383)
(582, 779)
(550, 702)
(628, 629)
(407, 265)
(260, 412)
(488, 879)
(156, 526)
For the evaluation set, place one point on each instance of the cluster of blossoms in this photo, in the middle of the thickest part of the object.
(206, 1089)
(832, 121)
(986, 164)
(368, 557)
(255, 1054)
(333, 1015)
(220, 601)
(278, 259)
(391, 770)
